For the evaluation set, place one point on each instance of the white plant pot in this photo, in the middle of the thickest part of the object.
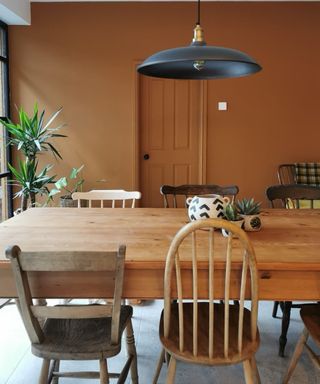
(207, 206)
(252, 223)
(239, 223)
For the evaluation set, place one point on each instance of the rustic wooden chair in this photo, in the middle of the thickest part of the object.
(310, 315)
(209, 332)
(75, 332)
(107, 195)
(289, 196)
(173, 193)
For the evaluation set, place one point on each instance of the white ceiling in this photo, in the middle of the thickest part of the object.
(88, 1)
(18, 12)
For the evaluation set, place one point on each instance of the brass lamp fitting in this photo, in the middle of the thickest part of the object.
(198, 34)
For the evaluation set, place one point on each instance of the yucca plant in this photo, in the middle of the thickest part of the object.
(231, 213)
(30, 182)
(248, 207)
(32, 136)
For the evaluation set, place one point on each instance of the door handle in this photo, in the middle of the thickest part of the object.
(146, 156)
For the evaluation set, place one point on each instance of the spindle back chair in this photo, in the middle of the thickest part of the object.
(113, 196)
(173, 194)
(290, 195)
(203, 331)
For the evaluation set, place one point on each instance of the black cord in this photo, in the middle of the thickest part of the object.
(198, 22)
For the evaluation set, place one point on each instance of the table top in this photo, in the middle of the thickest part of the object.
(287, 248)
(288, 239)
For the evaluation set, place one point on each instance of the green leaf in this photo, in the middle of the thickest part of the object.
(54, 192)
(54, 115)
(75, 171)
(37, 143)
(61, 183)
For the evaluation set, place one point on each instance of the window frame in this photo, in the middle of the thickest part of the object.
(6, 101)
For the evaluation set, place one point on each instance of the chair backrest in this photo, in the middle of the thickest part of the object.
(198, 244)
(287, 174)
(290, 195)
(299, 173)
(307, 173)
(113, 196)
(188, 190)
(24, 263)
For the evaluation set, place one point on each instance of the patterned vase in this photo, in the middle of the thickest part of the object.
(206, 207)
(252, 223)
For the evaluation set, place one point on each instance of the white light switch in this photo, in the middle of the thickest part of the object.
(222, 106)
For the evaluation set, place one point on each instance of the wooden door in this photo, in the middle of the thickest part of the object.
(171, 135)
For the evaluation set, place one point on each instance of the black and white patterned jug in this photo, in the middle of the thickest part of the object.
(207, 206)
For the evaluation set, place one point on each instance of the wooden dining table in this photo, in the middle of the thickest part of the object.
(287, 250)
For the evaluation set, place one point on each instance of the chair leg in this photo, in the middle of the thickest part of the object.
(171, 370)
(275, 309)
(159, 366)
(284, 326)
(43, 379)
(131, 349)
(296, 354)
(255, 370)
(248, 374)
(104, 375)
(55, 368)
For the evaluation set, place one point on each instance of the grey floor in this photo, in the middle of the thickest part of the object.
(19, 366)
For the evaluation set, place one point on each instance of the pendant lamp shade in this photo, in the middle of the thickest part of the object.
(215, 63)
(199, 61)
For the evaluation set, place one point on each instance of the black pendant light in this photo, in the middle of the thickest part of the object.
(199, 61)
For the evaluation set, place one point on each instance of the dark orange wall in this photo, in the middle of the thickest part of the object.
(81, 56)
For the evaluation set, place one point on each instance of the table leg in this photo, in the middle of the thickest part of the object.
(284, 326)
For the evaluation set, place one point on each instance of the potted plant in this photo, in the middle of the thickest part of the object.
(31, 135)
(250, 211)
(30, 182)
(231, 214)
(68, 185)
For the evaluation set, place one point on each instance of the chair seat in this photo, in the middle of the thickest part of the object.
(77, 339)
(310, 315)
(171, 344)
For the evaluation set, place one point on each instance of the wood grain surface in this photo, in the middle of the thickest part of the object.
(287, 250)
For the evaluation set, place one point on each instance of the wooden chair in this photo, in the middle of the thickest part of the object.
(289, 196)
(310, 315)
(75, 332)
(113, 196)
(107, 195)
(209, 332)
(184, 191)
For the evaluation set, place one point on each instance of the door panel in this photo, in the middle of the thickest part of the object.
(170, 124)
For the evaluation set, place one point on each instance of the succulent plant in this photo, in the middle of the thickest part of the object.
(248, 207)
(231, 213)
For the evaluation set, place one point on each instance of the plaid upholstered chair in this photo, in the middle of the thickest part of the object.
(299, 173)
(307, 174)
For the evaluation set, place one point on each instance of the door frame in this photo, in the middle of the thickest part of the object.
(203, 129)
